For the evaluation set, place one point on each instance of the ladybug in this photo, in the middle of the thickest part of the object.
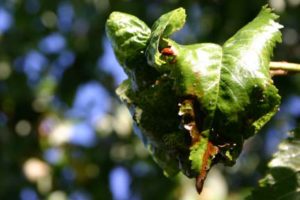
(167, 51)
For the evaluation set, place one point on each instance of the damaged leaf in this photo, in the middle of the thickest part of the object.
(194, 105)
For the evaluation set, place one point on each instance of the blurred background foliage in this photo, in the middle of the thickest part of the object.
(63, 132)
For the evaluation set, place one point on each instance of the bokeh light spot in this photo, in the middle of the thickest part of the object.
(91, 103)
(122, 122)
(119, 182)
(35, 169)
(58, 195)
(278, 5)
(82, 134)
(28, 193)
(6, 20)
(109, 63)
(121, 152)
(61, 134)
(5, 70)
(49, 19)
(290, 36)
(23, 128)
(34, 63)
(52, 43)
(53, 155)
(292, 106)
(65, 13)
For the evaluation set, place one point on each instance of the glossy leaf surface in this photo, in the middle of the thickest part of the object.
(194, 105)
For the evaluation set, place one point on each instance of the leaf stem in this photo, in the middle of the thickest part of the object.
(283, 68)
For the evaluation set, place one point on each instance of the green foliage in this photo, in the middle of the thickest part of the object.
(128, 34)
(283, 177)
(213, 96)
(43, 127)
(163, 28)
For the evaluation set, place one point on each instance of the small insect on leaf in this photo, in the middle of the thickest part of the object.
(194, 105)
(167, 51)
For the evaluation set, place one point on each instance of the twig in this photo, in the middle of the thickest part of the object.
(283, 68)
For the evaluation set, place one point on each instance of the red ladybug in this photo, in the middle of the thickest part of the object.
(167, 51)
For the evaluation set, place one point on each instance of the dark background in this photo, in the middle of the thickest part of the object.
(63, 132)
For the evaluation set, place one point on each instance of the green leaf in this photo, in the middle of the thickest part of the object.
(149, 108)
(127, 34)
(245, 74)
(283, 177)
(232, 82)
(163, 28)
(194, 105)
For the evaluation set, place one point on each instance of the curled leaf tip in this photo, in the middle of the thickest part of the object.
(127, 34)
(165, 26)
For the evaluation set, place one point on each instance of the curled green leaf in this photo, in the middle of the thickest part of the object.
(166, 25)
(194, 105)
(127, 34)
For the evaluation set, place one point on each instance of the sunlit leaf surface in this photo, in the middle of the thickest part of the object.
(196, 103)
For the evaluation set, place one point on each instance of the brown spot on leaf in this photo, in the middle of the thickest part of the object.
(188, 119)
(191, 121)
(210, 152)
